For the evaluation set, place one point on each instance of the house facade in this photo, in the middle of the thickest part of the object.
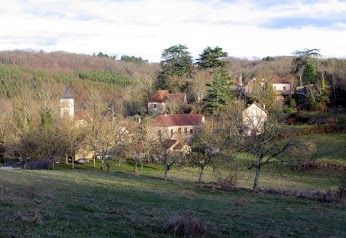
(282, 87)
(176, 127)
(254, 118)
(159, 103)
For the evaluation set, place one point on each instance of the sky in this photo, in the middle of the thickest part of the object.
(144, 28)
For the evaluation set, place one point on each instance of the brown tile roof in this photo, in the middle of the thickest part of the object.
(292, 78)
(160, 96)
(168, 120)
(178, 97)
(163, 95)
(277, 79)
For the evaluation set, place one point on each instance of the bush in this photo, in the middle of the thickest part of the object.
(185, 225)
(330, 195)
(289, 110)
(226, 179)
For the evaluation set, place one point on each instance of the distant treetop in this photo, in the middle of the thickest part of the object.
(102, 55)
(133, 59)
(212, 58)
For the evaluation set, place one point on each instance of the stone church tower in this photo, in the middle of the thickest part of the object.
(67, 104)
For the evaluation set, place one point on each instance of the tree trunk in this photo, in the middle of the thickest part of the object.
(256, 181)
(102, 164)
(200, 174)
(166, 170)
(73, 157)
(66, 159)
(94, 159)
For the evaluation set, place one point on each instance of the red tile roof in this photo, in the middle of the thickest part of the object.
(178, 97)
(160, 96)
(168, 120)
(277, 79)
(163, 96)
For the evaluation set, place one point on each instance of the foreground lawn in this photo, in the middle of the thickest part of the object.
(86, 203)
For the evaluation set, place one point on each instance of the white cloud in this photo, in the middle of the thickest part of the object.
(146, 27)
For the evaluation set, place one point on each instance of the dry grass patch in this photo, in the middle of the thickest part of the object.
(185, 225)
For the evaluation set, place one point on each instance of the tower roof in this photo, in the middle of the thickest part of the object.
(67, 94)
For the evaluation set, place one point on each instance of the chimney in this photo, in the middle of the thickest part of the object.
(264, 106)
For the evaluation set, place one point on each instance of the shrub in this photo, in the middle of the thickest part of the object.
(185, 225)
(330, 195)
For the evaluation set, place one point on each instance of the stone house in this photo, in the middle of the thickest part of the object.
(282, 86)
(176, 127)
(285, 86)
(162, 99)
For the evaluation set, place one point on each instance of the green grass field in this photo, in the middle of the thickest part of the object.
(84, 203)
(87, 202)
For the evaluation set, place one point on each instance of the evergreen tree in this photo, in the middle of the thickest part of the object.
(211, 58)
(309, 74)
(176, 63)
(305, 63)
(219, 93)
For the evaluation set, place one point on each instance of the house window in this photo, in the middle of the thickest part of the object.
(155, 106)
(185, 130)
(284, 87)
(172, 132)
(179, 130)
(191, 131)
(159, 132)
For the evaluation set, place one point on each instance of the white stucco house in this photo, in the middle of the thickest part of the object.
(284, 86)
(254, 118)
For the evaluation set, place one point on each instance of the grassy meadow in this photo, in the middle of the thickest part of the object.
(87, 202)
(84, 203)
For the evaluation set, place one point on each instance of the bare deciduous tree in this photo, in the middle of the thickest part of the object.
(267, 147)
(208, 143)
